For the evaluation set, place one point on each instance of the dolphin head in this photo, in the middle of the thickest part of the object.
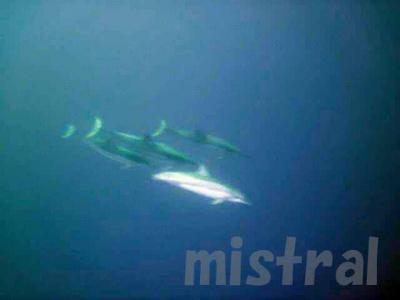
(238, 197)
(240, 200)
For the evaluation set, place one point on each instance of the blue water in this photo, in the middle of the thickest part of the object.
(308, 90)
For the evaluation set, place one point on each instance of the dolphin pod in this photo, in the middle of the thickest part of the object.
(129, 150)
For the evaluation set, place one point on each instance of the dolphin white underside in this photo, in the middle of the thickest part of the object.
(204, 187)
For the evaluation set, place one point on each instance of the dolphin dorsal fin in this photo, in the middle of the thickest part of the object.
(203, 171)
(160, 130)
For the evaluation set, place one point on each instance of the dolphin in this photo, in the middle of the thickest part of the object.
(149, 146)
(130, 149)
(122, 155)
(106, 143)
(69, 131)
(200, 137)
(201, 183)
(168, 152)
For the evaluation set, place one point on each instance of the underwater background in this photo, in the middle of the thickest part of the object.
(309, 90)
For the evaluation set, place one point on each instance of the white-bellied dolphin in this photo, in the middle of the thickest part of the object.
(202, 183)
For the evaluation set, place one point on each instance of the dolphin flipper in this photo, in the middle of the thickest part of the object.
(217, 201)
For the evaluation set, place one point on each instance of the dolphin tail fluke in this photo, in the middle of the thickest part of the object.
(69, 131)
